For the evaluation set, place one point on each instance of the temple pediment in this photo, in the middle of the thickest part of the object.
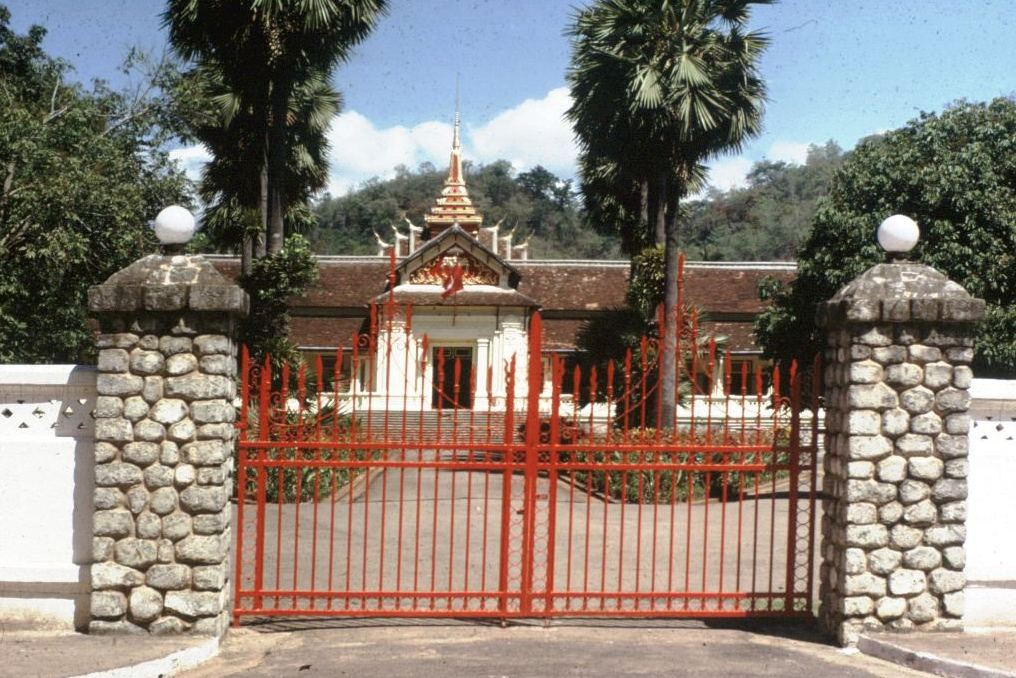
(455, 255)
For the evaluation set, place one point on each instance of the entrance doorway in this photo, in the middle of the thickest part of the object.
(452, 377)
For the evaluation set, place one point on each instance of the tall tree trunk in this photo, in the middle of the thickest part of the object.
(671, 254)
(277, 157)
(246, 254)
(261, 239)
(658, 207)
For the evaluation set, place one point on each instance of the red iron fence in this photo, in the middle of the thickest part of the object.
(406, 479)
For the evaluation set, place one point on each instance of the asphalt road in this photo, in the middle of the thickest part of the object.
(373, 648)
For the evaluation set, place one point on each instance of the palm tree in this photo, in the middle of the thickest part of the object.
(659, 87)
(231, 184)
(265, 51)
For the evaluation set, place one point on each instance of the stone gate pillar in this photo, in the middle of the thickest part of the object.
(164, 440)
(900, 342)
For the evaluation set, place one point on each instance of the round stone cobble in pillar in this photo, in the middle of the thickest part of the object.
(167, 365)
(900, 341)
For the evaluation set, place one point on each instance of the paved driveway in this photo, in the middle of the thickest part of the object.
(439, 531)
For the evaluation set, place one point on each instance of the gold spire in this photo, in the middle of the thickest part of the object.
(454, 206)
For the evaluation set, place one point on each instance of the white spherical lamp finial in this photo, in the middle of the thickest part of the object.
(898, 235)
(174, 225)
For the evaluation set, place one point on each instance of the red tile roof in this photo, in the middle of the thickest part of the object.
(567, 291)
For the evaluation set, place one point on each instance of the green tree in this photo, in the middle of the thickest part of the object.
(659, 87)
(955, 174)
(81, 173)
(265, 52)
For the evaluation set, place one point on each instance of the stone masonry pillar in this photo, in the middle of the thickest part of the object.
(900, 342)
(163, 452)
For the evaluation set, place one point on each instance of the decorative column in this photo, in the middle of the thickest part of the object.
(164, 446)
(900, 342)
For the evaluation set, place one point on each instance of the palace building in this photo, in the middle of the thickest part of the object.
(449, 304)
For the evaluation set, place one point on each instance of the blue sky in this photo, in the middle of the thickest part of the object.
(836, 69)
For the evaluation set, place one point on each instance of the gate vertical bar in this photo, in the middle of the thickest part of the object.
(533, 384)
(795, 472)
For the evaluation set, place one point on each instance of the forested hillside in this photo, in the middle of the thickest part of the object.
(766, 220)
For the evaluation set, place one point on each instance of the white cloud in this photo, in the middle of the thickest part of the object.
(191, 159)
(361, 151)
(729, 173)
(533, 133)
(792, 152)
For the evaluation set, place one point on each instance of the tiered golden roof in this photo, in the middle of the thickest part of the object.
(454, 206)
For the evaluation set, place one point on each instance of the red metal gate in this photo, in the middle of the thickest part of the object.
(365, 488)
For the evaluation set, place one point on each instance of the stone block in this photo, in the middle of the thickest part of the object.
(953, 604)
(870, 448)
(895, 422)
(917, 400)
(949, 490)
(952, 446)
(857, 606)
(957, 468)
(115, 360)
(102, 548)
(163, 501)
(945, 535)
(170, 455)
(111, 575)
(107, 498)
(915, 444)
(890, 513)
(193, 604)
(953, 512)
(200, 387)
(108, 407)
(920, 353)
(207, 344)
(889, 355)
(201, 550)
(176, 526)
(215, 432)
(963, 376)
(141, 453)
(871, 397)
(904, 375)
(937, 375)
(212, 412)
(205, 453)
(903, 538)
(867, 536)
(860, 470)
(136, 499)
(182, 431)
(924, 558)
(170, 345)
(913, 491)
(952, 400)
(854, 561)
(884, 561)
(158, 476)
(865, 372)
(928, 423)
(865, 584)
(925, 468)
(907, 582)
(922, 513)
(152, 390)
(870, 491)
(108, 604)
(148, 526)
(114, 430)
(168, 577)
(121, 385)
(181, 363)
(117, 475)
(942, 581)
(146, 362)
(210, 577)
(892, 469)
(135, 553)
(218, 364)
(954, 557)
(890, 608)
(145, 604)
(861, 514)
(168, 411)
(923, 608)
(208, 499)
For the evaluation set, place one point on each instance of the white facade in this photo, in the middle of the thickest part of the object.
(46, 452)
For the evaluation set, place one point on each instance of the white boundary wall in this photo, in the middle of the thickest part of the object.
(991, 505)
(46, 482)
